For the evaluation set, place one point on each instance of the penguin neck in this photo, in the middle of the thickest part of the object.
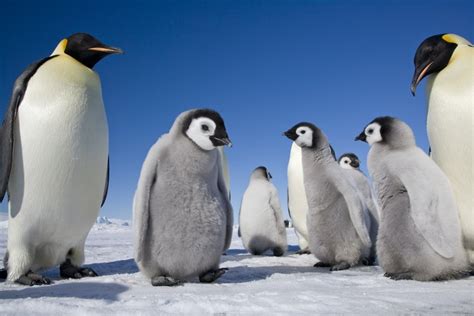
(318, 155)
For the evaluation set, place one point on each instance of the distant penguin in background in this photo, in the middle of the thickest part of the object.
(419, 234)
(297, 203)
(351, 163)
(54, 160)
(448, 61)
(337, 219)
(182, 214)
(261, 222)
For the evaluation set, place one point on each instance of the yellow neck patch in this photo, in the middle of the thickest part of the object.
(60, 48)
(455, 39)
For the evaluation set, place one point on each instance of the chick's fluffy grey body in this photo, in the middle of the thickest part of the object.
(419, 234)
(187, 227)
(333, 239)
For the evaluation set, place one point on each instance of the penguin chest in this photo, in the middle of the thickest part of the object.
(450, 123)
(60, 150)
(297, 201)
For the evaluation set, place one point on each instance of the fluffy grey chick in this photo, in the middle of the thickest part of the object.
(350, 164)
(419, 234)
(337, 219)
(261, 223)
(182, 215)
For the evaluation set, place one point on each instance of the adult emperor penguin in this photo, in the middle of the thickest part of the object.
(54, 160)
(182, 214)
(337, 220)
(261, 222)
(419, 234)
(351, 163)
(448, 61)
(297, 203)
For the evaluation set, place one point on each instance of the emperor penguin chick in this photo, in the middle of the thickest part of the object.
(350, 164)
(182, 214)
(419, 234)
(337, 219)
(447, 61)
(261, 223)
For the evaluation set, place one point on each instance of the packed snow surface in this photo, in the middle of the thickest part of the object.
(257, 285)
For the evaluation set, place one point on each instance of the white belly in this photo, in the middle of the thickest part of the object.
(297, 202)
(60, 158)
(450, 130)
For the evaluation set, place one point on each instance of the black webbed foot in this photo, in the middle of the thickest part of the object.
(69, 271)
(31, 279)
(212, 275)
(340, 266)
(164, 281)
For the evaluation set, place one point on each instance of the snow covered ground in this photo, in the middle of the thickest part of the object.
(252, 285)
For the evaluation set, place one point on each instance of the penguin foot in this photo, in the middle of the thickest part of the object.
(399, 276)
(340, 266)
(278, 252)
(212, 275)
(321, 264)
(368, 261)
(69, 271)
(31, 279)
(161, 280)
(304, 251)
(3, 274)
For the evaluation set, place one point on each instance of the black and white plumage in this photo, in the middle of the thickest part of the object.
(54, 160)
(182, 214)
(419, 234)
(337, 219)
(261, 223)
(350, 164)
(447, 61)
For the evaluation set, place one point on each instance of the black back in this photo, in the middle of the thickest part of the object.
(6, 131)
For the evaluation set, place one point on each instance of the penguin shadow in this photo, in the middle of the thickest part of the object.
(82, 290)
(244, 274)
(127, 266)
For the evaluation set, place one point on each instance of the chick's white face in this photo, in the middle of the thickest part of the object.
(345, 163)
(305, 136)
(372, 133)
(200, 130)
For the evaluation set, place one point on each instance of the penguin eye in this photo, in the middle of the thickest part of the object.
(303, 131)
(346, 161)
(204, 127)
(370, 131)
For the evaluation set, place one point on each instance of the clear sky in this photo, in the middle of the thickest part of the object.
(264, 65)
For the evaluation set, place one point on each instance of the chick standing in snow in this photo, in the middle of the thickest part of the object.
(261, 224)
(182, 214)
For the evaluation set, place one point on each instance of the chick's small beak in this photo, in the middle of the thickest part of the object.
(361, 137)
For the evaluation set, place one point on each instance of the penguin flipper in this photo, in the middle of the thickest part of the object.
(432, 204)
(8, 125)
(141, 201)
(228, 207)
(354, 205)
(106, 188)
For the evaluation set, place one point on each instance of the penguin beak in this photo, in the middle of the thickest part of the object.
(420, 73)
(107, 50)
(221, 141)
(361, 137)
(290, 134)
(355, 163)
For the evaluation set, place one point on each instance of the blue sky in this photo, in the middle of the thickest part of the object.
(264, 65)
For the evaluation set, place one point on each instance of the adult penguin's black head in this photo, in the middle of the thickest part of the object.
(433, 55)
(87, 49)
